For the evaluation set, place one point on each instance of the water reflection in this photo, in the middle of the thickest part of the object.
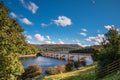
(45, 62)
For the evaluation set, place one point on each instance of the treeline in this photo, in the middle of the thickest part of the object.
(56, 47)
(83, 50)
(95, 50)
(88, 49)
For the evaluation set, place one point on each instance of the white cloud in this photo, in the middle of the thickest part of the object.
(108, 27)
(26, 21)
(29, 42)
(118, 29)
(48, 37)
(13, 15)
(33, 7)
(82, 45)
(76, 41)
(83, 34)
(61, 41)
(63, 21)
(79, 43)
(84, 30)
(97, 39)
(39, 37)
(30, 6)
(29, 36)
(50, 42)
(44, 25)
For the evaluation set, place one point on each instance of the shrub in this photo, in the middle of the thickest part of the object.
(55, 70)
(31, 71)
(69, 67)
(61, 69)
(76, 64)
(52, 70)
(83, 62)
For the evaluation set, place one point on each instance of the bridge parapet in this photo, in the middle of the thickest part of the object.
(70, 56)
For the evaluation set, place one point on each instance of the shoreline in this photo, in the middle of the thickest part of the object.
(27, 56)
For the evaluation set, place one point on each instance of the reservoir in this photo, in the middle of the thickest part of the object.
(45, 62)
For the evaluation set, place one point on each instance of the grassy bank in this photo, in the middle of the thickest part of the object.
(112, 76)
(27, 56)
(86, 73)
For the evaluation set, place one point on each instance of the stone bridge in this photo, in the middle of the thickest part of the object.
(68, 56)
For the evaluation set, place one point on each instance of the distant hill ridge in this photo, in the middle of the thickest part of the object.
(57, 44)
(57, 47)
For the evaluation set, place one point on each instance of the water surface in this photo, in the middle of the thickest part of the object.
(45, 62)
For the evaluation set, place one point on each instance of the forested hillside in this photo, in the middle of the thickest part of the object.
(56, 47)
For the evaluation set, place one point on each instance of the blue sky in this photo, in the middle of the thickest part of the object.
(80, 22)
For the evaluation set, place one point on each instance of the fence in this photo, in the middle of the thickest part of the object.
(114, 66)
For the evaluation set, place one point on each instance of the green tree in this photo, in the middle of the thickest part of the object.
(12, 44)
(111, 47)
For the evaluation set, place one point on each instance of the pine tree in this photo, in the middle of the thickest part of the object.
(12, 44)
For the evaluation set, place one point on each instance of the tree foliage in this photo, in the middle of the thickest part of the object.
(111, 48)
(31, 71)
(12, 44)
(83, 50)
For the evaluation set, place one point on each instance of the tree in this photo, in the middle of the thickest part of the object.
(111, 48)
(12, 44)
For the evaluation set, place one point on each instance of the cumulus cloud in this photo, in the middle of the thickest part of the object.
(39, 37)
(30, 6)
(48, 37)
(83, 34)
(26, 21)
(13, 15)
(63, 21)
(108, 27)
(97, 39)
(61, 41)
(84, 30)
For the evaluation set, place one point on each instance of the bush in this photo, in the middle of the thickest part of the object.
(76, 64)
(31, 71)
(83, 62)
(55, 70)
(52, 70)
(69, 67)
(61, 69)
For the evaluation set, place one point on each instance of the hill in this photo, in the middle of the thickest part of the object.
(56, 47)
